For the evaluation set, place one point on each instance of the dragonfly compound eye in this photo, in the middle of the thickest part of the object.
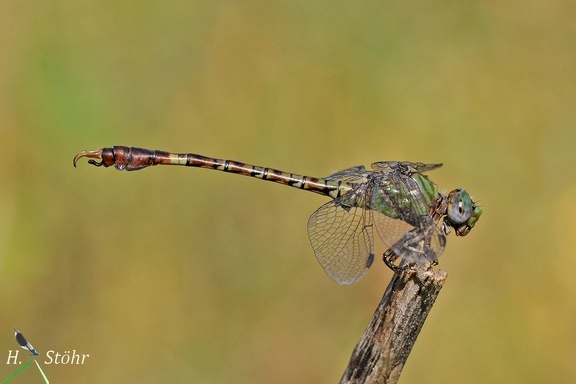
(460, 206)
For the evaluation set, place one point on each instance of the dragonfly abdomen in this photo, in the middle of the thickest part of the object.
(313, 184)
(133, 159)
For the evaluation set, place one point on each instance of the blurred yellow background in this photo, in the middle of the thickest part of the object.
(192, 276)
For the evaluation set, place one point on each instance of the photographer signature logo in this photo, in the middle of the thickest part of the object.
(52, 357)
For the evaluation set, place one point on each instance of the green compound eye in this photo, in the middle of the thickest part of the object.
(460, 207)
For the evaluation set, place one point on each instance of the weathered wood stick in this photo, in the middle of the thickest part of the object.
(383, 350)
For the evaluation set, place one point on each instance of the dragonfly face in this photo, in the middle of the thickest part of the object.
(461, 213)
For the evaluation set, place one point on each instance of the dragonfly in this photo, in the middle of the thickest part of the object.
(21, 340)
(395, 200)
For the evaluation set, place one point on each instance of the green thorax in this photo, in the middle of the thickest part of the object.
(404, 196)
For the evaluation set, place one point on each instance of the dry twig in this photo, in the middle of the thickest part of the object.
(383, 350)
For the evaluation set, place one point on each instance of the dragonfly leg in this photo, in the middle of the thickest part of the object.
(389, 257)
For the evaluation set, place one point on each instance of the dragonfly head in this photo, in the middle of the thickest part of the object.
(461, 213)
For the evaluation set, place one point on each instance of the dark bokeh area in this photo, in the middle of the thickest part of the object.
(192, 276)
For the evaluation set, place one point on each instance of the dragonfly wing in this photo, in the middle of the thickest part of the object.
(402, 219)
(353, 174)
(413, 237)
(421, 167)
(342, 239)
(421, 244)
(405, 166)
(23, 342)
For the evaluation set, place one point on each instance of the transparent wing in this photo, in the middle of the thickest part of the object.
(403, 223)
(341, 235)
(420, 244)
(352, 175)
(387, 166)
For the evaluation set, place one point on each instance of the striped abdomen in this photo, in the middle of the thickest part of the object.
(132, 159)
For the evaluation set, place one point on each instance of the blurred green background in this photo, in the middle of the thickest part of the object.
(192, 276)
